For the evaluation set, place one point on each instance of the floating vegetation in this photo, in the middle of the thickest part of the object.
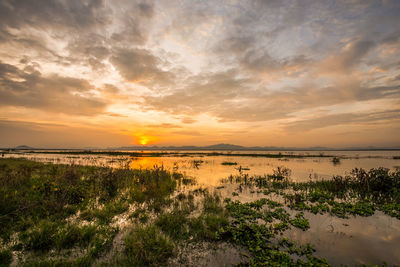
(361, 193)
(336, 160)
(229, 163)
(196, 163)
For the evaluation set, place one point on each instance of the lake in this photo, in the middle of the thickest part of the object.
(356, 240)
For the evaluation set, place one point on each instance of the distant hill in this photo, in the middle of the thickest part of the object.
(224, 147)
(216, 147)
(24, 147)
(211, 147)
(230, 147)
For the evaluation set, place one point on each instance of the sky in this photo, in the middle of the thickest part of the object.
(110, 73)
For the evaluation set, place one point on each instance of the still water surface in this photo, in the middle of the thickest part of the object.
(209, 170)
(353, 241)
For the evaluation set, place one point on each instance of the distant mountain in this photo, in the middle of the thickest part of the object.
(23, 147)
(211, 147)
(223, 147)
(216, 147)
(230, 147)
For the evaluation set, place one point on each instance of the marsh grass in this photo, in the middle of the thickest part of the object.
(50, 211)
(63, 207)
(5, 257)
(360, 193)
(147, 246)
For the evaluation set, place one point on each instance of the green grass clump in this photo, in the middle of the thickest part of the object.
(5, 257)
(42, 237)
(214, 223)
(147, 246)
(173, 223)
(212, 203)
(73, 235)
(105, 214)
(49, 235)
(181, 226)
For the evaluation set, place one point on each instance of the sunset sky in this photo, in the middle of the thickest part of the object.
(254, 73)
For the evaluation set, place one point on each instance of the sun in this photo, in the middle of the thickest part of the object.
(145, 139)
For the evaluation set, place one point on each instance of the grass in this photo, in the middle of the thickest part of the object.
(147, 246)
(62, 208)
(360, 193)
(5, 257)
(66, 215)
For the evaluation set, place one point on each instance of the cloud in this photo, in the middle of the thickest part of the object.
(164, 125)
(230, 98)
(241, 61)
(48, 13)
(56, 135)
(140, 66)
(188, 120)
(349, 57)
(203, 94)
(51, 93)
(86, 29)
(387, 117)
(188, 133)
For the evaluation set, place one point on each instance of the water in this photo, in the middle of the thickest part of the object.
(357, 240)
(208, 170)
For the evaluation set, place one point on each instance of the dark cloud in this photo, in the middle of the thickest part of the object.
(350, 56)
(50, 14)
(83, 25)
(140, 66)
(53, 93)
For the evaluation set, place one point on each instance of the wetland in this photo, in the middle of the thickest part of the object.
(332, 208)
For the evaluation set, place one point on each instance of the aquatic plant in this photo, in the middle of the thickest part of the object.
(336, 160)
(229, 163)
